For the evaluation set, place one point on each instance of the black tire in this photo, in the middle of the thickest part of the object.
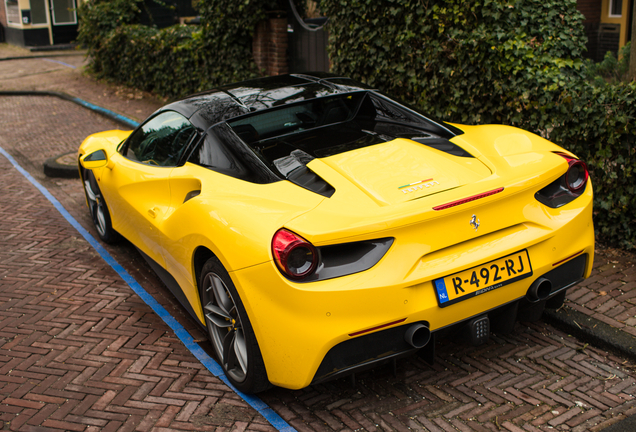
(98, 208)
(230, 330)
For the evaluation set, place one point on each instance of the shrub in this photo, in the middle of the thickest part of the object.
(100, 17)
(177, 60)
(465, 61)
(160, 61)
(596, 122)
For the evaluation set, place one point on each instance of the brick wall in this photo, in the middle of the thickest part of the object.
(3, 22)
(591, 9)
(269, 46)
(600, 37)
(3, 15)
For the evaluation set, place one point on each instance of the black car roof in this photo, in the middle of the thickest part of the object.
(223, 103)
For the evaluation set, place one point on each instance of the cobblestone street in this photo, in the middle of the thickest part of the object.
(80, 351)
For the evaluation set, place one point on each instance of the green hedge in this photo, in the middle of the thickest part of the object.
(160, 61)
(97, 18)
(470, 61)
(177, 60)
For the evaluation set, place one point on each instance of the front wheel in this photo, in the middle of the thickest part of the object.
(230, 330)
(99, 209)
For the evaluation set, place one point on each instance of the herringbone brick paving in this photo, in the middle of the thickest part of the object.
(79, 351)
(62, 132)
(610, 294)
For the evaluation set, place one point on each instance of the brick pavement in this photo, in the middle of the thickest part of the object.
(54, 305)
(536, 379)
(78, 350)
(609, 295)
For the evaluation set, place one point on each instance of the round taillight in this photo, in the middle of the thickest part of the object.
(294, 255)
(577, 175)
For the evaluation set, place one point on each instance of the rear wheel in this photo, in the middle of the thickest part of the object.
(230, 330)
(99, 209)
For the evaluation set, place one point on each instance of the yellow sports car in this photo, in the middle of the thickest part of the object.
(317, 227)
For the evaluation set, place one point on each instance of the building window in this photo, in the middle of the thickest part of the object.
(13, 12)
(63, 12)
(616, 8)
(38, 12)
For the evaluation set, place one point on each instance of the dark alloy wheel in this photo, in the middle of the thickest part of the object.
(230, 330)
(99, 209)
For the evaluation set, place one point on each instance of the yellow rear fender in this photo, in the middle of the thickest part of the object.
(229, 215)
(232, 219)
(500, 140)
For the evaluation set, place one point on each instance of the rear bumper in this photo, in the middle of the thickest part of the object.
(379, 347)
(314, 331)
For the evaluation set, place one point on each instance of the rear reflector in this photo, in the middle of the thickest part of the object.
(568, 258)
(469, 199)
(376, 328)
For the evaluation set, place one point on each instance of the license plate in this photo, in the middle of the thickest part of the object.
(483, 278)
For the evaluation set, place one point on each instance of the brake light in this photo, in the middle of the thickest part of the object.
(568, 187)
(294, 255)
(468, 199)
(577, 174)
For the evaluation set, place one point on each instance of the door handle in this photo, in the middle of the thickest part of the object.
(153, 212)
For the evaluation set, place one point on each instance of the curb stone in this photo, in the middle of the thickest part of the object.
(117, 118)
(62, 166)
(592, 330)
(41, 56)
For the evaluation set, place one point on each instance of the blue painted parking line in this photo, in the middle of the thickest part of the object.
(133, 124)
(185, 337)
(60, 62)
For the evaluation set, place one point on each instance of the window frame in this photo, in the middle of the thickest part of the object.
(612, 4)
(44, 9)
(73, 10)
(125, 145)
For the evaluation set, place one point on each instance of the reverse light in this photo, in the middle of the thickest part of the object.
(294, 255)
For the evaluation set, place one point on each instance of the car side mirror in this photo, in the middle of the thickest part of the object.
(97, 159)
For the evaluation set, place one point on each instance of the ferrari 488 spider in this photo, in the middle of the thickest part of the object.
(316, 227)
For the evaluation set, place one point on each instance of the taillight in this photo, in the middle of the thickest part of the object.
(294, 255)
(567, 187)
(577, 174)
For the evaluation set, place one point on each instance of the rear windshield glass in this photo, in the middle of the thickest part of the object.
(331, 125)
(298, 117)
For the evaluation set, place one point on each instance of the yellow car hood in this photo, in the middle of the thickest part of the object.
(402, 170)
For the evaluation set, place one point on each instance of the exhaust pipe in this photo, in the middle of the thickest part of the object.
(539, 290)
(418, 335)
